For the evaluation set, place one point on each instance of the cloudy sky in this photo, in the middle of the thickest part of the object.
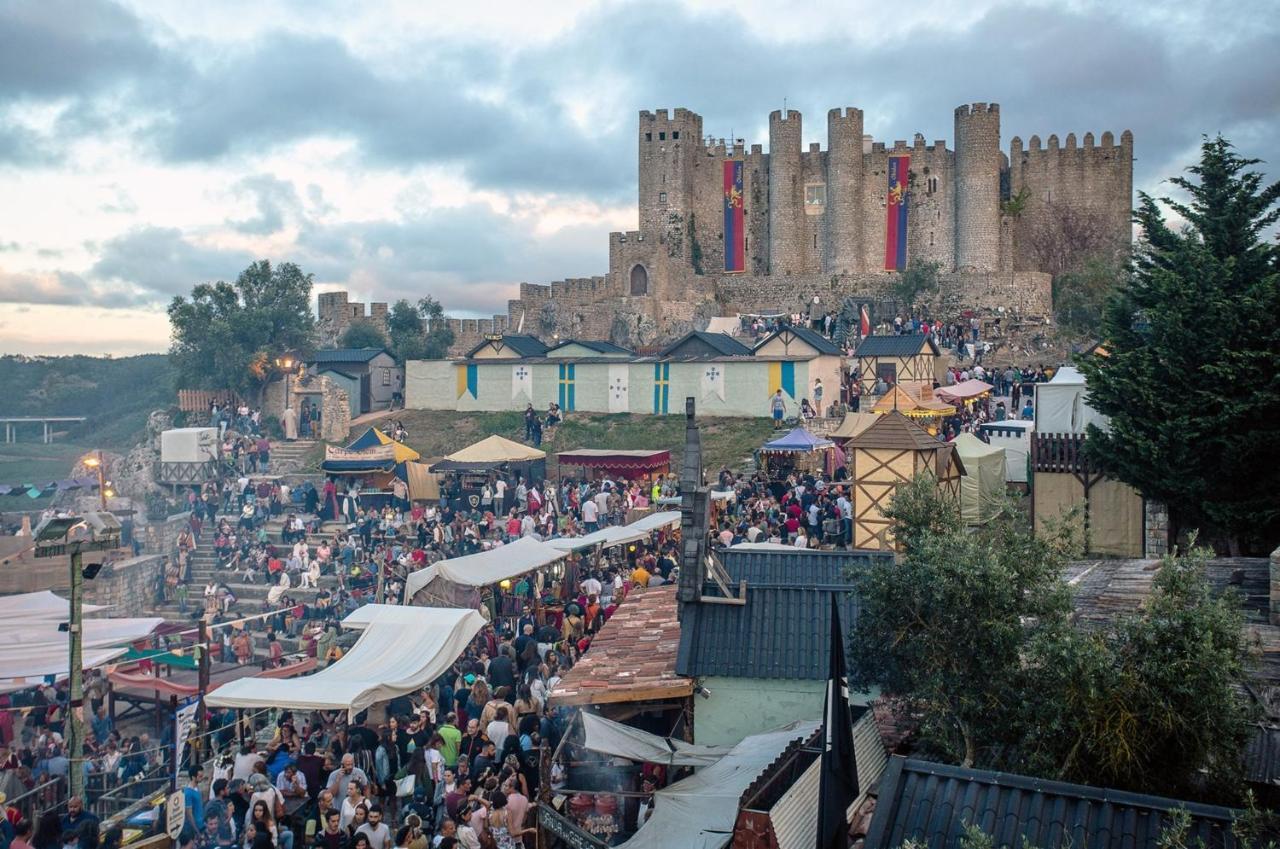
(398, 148)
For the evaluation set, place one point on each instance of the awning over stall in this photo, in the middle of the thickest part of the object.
(966, 390)
(615, 460)
(701, 810)
(39, 605)
(488, 567)
(492, 450)
(614, 738)
(401, 650)
(798, 439)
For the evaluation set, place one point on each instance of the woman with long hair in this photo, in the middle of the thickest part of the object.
(263, 822)
(48, 832)
(354, 806)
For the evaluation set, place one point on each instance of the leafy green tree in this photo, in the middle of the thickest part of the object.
(419, 332)
(946, 626)
(225, 335)
(1079, 297)
(918, 278)
(1193, 336)
(362, 334)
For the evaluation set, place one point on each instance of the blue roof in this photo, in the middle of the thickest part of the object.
(722, 343)
(346, 355)
(931, 803)
(798, 439)
(895, 346)
(783, 629)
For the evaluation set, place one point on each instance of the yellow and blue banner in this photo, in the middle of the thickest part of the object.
(661, 387)
(735, 231)
(895, 231)
(468, 380)
(566, 387)
(782, 376)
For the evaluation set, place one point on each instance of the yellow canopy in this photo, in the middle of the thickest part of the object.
(914, 407)
(496, 449)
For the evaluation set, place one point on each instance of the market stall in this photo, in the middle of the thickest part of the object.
(606, 462)
(459, 581)
(928, 411)
(964, 393)
(465, 472)
(982, 485)
(370, 465)
(797, 451)
(1014, 436)
(401, 650)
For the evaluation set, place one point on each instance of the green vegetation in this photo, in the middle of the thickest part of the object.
(725, 441)
(974, 629)
(1193, 342)
(418, 332)
(919, 278)
(363, 334)
(226, 335)
(1079, 297)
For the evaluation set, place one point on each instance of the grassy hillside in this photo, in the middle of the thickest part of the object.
(725, 442)
(116, 394)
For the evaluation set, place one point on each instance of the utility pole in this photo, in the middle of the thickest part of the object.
(75, 723)
(202, 723)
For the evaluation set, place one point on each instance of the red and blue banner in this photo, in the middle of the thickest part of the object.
(895, 231)
(735, 231)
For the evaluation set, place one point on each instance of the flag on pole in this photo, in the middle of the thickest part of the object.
(864, 323)
(838, 775)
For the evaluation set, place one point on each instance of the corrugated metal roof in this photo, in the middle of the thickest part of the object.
(895, 346)
(782, 630)
(931, 803)
(346, 355)
(1262, 756)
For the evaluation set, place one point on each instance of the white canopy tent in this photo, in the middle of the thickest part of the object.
(401, 650)
(700, 810)
(618, 534)
(39, 605)
(37, 665)
(1061, 407)
(488, 567)
(614, 738)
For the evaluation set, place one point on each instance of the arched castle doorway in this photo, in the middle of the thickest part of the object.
(639, 280)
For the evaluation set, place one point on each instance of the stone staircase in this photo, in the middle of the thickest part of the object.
(291, 457)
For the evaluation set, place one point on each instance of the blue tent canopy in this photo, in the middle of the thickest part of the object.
(369, 439)
(798, 440)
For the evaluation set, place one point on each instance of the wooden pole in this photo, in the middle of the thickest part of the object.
(202, 679)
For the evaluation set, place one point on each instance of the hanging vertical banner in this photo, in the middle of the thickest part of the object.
(782, 376)
(895, 231)
(713, 381)
(468, 380)
(522, 382)
(184, 719)
(735, 231)
(566, 387)
(619, 388)
(661, 387)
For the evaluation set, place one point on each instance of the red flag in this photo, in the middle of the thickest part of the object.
(865, 327)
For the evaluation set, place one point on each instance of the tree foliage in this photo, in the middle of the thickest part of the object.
(1193, 337)
(1079, 297)
(225, 335)
(418, 332)
(974, 628)
(918, 278)
(362, 334)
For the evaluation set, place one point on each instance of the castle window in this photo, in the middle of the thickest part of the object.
(662, 197)
(675, 135)
(815, 195)
(933, 185)
(648, 136)
(815, 241)
(639, 281)
(662, 136)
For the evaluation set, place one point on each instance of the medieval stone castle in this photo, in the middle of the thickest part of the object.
(815, 223)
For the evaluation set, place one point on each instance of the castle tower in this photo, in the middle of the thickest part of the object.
(668, 144)
(977, 181)
(844, 188)
(786, 231)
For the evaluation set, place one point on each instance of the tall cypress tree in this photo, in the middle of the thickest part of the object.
(1191, 381)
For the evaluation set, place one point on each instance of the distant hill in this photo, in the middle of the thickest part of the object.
(116, 393)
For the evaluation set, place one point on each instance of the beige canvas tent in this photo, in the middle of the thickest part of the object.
(496, 449)
(851, 425)
(982, 486)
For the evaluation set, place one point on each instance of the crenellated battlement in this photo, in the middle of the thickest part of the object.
(974, 109)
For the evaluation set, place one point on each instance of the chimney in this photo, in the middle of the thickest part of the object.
(1275, 587)
(695, 513)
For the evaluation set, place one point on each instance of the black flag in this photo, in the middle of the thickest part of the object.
(838, 781)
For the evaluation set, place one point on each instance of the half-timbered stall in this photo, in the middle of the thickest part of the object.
(899, 360)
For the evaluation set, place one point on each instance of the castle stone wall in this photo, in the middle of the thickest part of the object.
(977, 178)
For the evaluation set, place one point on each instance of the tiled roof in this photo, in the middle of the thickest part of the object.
(815, 340)
(346, 355)
(931, 803)
(895, 346)
(782, 630)
(598, 345)
(524, 345)
(632, 658)
(722, 343)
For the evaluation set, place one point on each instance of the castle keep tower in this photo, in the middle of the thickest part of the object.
(844, 191)
(977, 187)
(668, 144)
(785, 203)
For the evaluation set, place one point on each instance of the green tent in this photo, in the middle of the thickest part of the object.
(982, 486)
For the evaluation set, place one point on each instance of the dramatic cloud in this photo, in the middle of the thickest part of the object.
(398, 151)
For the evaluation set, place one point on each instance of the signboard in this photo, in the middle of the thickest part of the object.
(570, 833)
(175, 812)
(184, 719)
(377, 452)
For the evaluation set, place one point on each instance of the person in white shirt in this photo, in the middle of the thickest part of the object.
(591, 586)
(590, 515)
(602, 506)
(802, 541)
